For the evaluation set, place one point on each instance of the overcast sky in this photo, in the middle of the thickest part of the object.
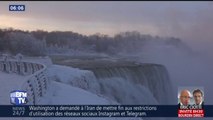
(192, 21)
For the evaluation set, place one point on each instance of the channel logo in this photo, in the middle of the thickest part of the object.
(18, 97)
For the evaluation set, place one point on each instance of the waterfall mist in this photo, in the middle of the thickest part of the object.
(140, 84)
(186, 68)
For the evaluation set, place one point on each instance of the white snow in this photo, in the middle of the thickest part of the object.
(75, 77)
(69, 89)
(62, 94)
(8, 83)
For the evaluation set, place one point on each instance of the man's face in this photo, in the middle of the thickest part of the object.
(185, 98)
(197, 97)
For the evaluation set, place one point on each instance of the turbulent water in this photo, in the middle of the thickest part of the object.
(141, 84)
(127, 82)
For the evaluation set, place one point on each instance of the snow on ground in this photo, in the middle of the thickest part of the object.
(8, 83)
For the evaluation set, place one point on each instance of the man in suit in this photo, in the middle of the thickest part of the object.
(198, 97)
(184, 99)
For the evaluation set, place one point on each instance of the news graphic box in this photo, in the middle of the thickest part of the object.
(190, 102)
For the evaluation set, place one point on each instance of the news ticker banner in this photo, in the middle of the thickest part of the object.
(102, 111)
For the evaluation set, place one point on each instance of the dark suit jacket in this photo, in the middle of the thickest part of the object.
(180, 105)
(201, 104)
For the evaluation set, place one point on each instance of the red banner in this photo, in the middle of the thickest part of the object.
(191, 113)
